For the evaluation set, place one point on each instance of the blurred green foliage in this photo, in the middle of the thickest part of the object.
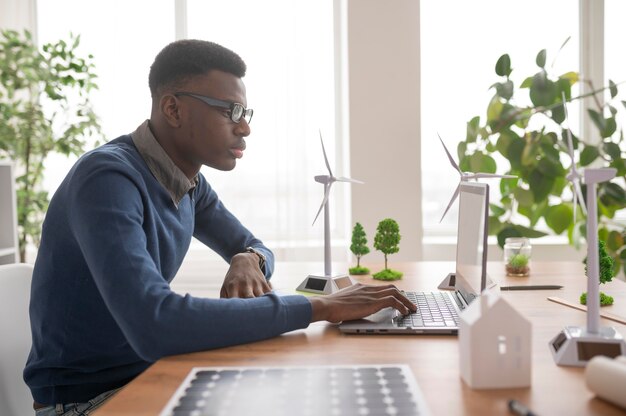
(30, 77)
(530, 141)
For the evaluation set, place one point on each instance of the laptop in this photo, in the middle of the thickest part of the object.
(438, 312)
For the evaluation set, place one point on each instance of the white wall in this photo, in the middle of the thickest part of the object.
(384, 118)
(18, 14)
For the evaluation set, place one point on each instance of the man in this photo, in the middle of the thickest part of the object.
(117, 230)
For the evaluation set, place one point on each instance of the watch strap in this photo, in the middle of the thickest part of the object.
(260, 255)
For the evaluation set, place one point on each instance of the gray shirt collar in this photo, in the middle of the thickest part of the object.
(162, 167)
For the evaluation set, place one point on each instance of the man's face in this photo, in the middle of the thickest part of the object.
(208, 135)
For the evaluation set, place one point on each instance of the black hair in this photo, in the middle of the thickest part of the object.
(183, 59)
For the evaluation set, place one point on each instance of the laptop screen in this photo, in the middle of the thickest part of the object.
(471, 250)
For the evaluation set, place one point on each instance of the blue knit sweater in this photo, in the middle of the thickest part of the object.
(101, 305)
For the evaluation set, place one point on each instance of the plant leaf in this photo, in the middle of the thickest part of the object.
(461, 148)
(543, 91)
(557, 114)
(540, 185)
(572, 77)
(506, 232)
(537, 212)
(472, 129)
(529, 232)
(559, 217)
(588, 155)
(513, 230)
(497, 210)
(616, 193)
(549, 168)
(528, 82)
(480, 162)
(503, 66)
(597, 119)
(615, 240)
(494, 225)
(524, 196)
(611, 126)
(612, 89)
(493, 111)
(505, 89)
(612, 149)
(541, 58)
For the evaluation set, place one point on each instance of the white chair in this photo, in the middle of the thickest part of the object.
(15, 338)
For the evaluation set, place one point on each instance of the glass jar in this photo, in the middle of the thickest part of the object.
(517, 252)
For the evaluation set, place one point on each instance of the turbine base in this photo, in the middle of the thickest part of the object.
(448, 282)
(574, 346)
(324, 285)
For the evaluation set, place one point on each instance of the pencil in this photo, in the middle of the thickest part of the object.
(531, 287)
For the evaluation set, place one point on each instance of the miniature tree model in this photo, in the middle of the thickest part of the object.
(386, 240)
(606, 274)
(359, 248)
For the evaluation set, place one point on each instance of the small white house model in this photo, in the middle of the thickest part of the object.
(495, 344)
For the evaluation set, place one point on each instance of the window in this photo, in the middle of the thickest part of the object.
(290, 85)
(123, 44)
(615, 61)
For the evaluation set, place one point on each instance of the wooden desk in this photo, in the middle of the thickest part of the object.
(433, 359)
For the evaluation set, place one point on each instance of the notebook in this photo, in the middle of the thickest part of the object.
(438, 311)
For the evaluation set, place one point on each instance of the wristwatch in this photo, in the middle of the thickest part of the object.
(259, 255)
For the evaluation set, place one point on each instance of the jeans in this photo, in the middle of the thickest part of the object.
(76, 409)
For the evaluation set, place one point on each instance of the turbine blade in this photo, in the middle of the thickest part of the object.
(580, 196)
(570, 146)
(570, 143)
(325, 158)
(342, 179)
(456, 194)
(452, 162)
(490, 175)
(324, 201)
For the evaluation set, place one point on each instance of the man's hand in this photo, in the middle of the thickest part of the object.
(359, 301)
(244, 279)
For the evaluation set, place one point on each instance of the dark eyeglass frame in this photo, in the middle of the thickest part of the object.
(237, 110)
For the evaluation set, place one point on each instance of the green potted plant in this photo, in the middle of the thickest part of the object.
(387, 240)
(54, 75)
(517, 252)
(359, 249)
(524, 132)
(517, 265)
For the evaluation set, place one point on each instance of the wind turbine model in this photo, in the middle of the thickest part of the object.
(574, 175)
(575, 346)
(465, 176)
(327, 283)
(450, 280)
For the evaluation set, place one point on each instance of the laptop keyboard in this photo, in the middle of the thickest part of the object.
(433, 309)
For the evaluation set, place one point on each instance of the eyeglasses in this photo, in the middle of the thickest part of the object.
(237, 110)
